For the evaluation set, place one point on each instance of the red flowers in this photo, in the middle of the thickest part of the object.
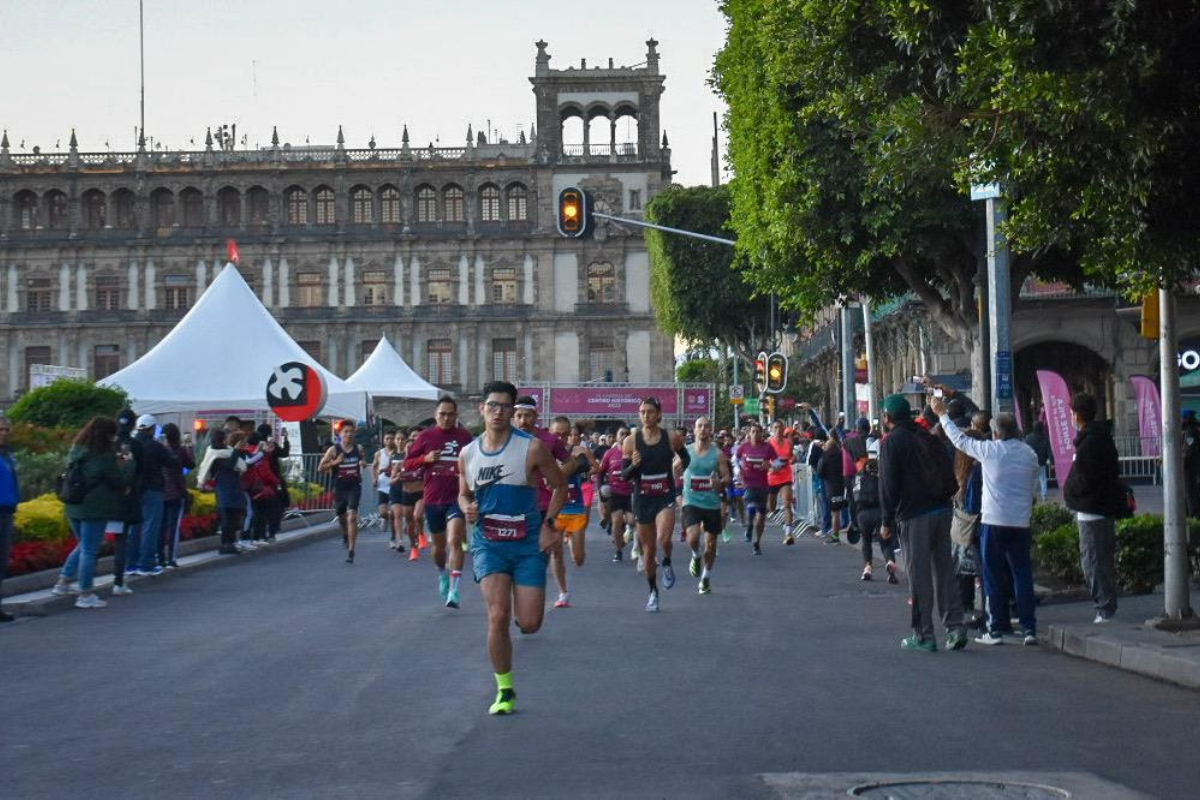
(36, 556)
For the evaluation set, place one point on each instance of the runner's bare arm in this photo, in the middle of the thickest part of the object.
(631, 463)
(330, 460)
(541, 461)
(724, 471)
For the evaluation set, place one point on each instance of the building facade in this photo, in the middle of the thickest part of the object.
(452, 252)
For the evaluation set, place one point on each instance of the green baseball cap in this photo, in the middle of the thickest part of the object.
(897, 406)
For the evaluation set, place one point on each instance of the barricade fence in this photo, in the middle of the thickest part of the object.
(311, 491)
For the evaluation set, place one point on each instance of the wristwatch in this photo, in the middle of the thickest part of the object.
(550, 520)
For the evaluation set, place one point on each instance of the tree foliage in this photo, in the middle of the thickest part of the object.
(698, 295)
(857, 126)
(67, 404)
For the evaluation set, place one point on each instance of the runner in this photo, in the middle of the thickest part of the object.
(573, 519)
(381, 473)
(436, 451)
(498, 492)
(703, 483)
(405, 496)
(755, 457)
(345, 460)
(647, 461)
(525, 417)
(779, 479)
(620, 495)
(736, 492)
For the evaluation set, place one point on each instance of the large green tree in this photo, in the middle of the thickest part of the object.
(857, 126)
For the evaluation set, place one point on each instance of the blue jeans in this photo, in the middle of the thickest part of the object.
(82, 561)
(1043, 481)
(143, 536)
(1008, 546)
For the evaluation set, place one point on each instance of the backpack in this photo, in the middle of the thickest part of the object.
(866, 490)
(937, 470)
(71, 486)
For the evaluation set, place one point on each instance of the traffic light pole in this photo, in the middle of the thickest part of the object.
(680, 231)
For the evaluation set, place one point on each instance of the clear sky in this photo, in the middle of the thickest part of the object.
(307, 66)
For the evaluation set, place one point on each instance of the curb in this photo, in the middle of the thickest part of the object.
(1151, 660)
(45, 603)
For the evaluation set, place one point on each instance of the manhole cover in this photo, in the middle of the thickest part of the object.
(958, 789)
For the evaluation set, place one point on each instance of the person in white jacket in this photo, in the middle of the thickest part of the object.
(1010, 471)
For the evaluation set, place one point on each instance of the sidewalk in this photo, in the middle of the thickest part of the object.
(41, 602)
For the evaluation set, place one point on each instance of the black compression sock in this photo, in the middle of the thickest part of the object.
(666, 562)
(653, 584)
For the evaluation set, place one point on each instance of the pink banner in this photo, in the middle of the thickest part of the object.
(1060, 425)
(1149, 411)
(536, 394)
(599, 401)
(697, 402)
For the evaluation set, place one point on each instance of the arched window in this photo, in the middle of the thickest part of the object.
(489, 203)
(193, 208)
(25, 211)
(56, 210)
(229, 207)
(389, 205)
(426, 204)
(162, 209)
(258, 204)
(361, 206)
(95, 210)
(600, 132)
(518, 199)
(125, 207)
(601, 283)
(324, 206)
(572, 130)
(454, 204)
(296, 200)
(626, 126)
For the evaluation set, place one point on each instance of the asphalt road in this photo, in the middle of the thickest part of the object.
(297, 676)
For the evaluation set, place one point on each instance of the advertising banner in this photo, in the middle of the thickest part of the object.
(1149, 411)
(537, 394)
(601, 401)
(697, 402)
(1060, 426)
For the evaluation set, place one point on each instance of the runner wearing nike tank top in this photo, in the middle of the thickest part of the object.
(704, 481)
(647, 462)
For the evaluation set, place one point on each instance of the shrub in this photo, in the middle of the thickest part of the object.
(1140, 553)
(38, 471)
(1048, 517)
(29, 557)
(42, 520)
(67, 404)
(1056, 552)
(32, 438)
(203, 503)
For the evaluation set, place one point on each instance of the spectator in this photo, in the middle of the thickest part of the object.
(829, 469)
(1191, 462)
(854, 456)
(175, 495)
(262, 488)
(916, 484)
(1009, 469)
(1040, 443)
(964, 540)
(10, 495)
(107, 477)
(124, 556)
(1093, 491)
(222, 466)
(276, 450)
(155, 458)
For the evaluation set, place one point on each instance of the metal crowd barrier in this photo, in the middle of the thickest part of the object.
(310, 490)
(808, 510)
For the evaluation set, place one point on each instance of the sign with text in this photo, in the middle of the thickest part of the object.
(600, 401)
(46, 374)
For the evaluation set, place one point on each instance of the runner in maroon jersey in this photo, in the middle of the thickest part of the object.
(525, 418)
(620, 495)
(436, 450)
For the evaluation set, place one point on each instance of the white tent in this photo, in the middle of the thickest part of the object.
(220, 356)
(386, 374)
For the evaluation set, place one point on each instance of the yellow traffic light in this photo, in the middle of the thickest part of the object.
(1150, 316)
(777, 367)
(573, 216)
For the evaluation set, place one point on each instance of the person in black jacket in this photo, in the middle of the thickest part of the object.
(143, 538)
(914, 493)
(1191, 462)
(1040, 443)
(1093, 491)
(829, 470)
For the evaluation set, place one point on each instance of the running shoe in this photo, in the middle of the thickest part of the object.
(637, 550)
(505, 703)
(641, 564)
(694, 566)
(749, 538)
(866, 576)
(726, 536)
(563, 601)
(891, 571)
(1028, 638)
(652, 603)
(414, 554)
(629, 534)
(832, 538)
(444, 585)
(392, 545)
(422, 541)
(466, 548)
(957, 640)
(1101, 618)
(152, 572)
(89, 601)
(617, 557)
(990, 638)
(452, 599)
(789, 539)
(349, 556)
(704, 586)
(917, 643)
(757, 549)
(122, 590)
(64, 589)
(399, 548)
(668, 576)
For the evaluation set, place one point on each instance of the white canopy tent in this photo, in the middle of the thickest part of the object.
(386, 374)
(220, 356)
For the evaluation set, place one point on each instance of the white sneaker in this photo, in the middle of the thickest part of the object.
(89, 601)
(1101, 618)
(989, 638)
(122, 590)
(64, 589)
(652, 603)
(641, 564)
(628, 534)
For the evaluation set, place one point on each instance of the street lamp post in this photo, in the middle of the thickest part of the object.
(1176, 592)
(999, 299)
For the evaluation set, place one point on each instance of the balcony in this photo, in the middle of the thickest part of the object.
(601, 309)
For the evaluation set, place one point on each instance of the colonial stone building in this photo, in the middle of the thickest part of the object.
(450, 251)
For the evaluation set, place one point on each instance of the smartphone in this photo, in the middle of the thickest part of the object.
(937, 393)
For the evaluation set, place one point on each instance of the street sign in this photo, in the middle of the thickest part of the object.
(295, 392)
(1004, 383)
(751, 406)
(985, 191)
(737, 392)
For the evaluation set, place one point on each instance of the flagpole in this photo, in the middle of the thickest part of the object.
(142, 70)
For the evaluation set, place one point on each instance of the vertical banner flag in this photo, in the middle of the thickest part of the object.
(1149, 411)
(1017, 411)
(1060, 427)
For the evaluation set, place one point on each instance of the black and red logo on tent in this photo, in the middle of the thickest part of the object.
(296, 392)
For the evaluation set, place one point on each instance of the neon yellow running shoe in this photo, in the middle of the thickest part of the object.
(505, 702)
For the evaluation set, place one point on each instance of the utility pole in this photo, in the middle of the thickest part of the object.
(999, 299)
(1176, 592)
(849, 401)
(868, 341)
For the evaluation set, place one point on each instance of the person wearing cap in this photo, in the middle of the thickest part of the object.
(915, 487)
(143, 537)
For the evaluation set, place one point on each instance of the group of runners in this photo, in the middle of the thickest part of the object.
(518, 497)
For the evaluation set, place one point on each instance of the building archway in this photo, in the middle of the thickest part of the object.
(1082, 368)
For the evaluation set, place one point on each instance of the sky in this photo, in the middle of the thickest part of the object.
(368, 65)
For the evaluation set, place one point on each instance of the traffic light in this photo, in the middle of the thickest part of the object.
(1150, 316)
(770, 407)
(777, 366)
(760, 373)
(574, 213)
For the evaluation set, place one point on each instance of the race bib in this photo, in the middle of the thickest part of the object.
(704, 484)
(503, 528)
(655, 485)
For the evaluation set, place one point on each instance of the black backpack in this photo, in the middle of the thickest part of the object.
(866, 490)
(71, 486)
(937, 469)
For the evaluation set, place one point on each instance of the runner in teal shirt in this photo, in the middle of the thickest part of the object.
(703, 481)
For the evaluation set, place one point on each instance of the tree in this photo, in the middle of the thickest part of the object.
(698, 295)
(856, 129)
(67, 404)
